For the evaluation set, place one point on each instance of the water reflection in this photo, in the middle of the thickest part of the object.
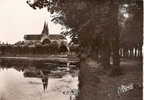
(44, 80)
(22, 80)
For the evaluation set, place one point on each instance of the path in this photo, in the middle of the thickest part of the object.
(128, 86)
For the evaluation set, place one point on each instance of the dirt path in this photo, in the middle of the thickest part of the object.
(127, 86)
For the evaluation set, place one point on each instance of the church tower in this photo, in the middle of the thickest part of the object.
(45, 31)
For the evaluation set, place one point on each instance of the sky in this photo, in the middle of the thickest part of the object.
(18, 18)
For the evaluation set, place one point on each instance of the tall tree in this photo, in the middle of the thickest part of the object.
(131, 24)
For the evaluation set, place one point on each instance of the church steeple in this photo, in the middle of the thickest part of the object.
(45, 30)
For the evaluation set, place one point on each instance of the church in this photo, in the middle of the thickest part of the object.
(45, 37)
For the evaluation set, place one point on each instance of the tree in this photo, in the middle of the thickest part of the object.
(131, 25)
(81, 17)
(95, 23)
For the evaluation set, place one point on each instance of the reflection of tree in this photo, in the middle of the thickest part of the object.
(31, 72)
(44, 80)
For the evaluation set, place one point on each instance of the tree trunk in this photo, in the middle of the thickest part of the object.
(106, 54)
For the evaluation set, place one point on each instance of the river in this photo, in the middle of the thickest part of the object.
(24, 82)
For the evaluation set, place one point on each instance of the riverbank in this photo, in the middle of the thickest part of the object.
(127, 86)
(51, 58)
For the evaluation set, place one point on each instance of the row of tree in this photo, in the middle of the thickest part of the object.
(32, 50)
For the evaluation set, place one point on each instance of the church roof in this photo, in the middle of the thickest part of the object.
(56, 36)
(32, 37)
(45, 33)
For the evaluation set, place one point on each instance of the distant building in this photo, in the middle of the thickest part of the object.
(45, 37)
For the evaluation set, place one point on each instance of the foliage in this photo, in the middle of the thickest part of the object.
(76, 15)
(79, 15)
(94, 23)
(131, 26)
(13, 50)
